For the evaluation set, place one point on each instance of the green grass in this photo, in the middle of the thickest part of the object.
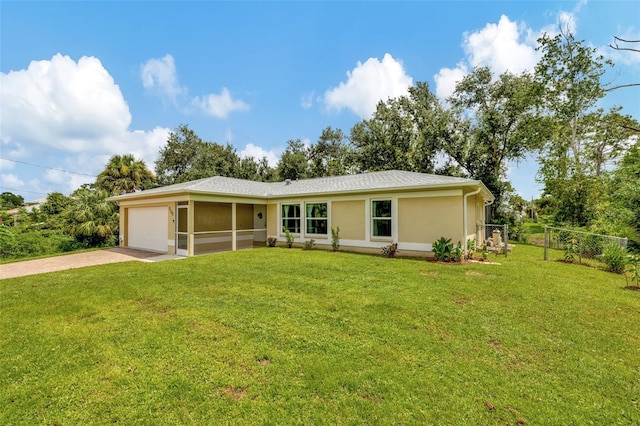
(277, 336)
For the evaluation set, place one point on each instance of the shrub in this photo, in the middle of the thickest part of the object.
(570, 249)
(289, 237)
(390, 251)
(335, 239)
(272, 242)
(633, 269)
(308, 245)
(615, 258)
(457, 253)
(442, 249)
(19, 243)
(471, 248)
(445, 251)
(485, 252)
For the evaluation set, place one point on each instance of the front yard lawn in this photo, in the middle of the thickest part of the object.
(278, 336)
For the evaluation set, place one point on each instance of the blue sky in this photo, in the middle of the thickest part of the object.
(82, 81)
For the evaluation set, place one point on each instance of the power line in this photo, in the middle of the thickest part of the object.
(45, 167)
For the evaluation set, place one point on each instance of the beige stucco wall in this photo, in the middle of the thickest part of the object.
(425, 220)
(475, 215)
(272, 220)
(350, 217)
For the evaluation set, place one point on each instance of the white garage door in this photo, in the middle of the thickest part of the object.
(148, 228)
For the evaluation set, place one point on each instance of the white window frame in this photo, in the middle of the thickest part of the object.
(299, 218)
(374, 218)
(307, 218)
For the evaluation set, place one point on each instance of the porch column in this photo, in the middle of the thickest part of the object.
(233, 227)
(191, 227)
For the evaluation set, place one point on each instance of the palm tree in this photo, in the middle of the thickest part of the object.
(124, 174)
(91, 218)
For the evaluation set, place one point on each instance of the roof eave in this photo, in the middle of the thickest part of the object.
(487, 194)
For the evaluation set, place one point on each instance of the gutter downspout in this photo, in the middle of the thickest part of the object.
(464, 218)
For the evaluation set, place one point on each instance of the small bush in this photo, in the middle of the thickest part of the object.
(289, 237)
(272, 242)
(485, 252)
(457, 253)
(390, 251)
(442, 250)
(445, 251)
(308, 245)
(633, 269)
(335, 239)
(615, 258)
(471, 248)
(570, 249)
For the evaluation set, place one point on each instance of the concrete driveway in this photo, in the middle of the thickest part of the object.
(79, 260)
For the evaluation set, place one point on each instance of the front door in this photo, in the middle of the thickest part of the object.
(182, 231)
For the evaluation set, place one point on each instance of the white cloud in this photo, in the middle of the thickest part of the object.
(505, 46)
(502, 47)
(447, 78)
(257, 152)
(219, 106)
(61, 104)
(160, 74)
(367, 84)
(569, 20)
(63, 108)
(12, 181)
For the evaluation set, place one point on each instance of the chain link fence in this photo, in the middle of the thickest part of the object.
(494, 237)
(576, 246)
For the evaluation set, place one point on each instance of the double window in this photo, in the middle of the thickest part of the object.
(381, 218)
(316, 218)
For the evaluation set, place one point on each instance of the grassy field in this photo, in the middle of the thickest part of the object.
(277, 336)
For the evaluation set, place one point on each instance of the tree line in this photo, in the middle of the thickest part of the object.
(589, 159)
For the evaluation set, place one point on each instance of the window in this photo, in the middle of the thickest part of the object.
(381, 218)
(316, 218)
(291, 218)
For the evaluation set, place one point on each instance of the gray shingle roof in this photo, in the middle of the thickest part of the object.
(364, 182)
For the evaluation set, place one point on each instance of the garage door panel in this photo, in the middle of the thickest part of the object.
(148, 228)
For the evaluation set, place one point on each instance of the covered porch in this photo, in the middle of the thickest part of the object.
(203, 227)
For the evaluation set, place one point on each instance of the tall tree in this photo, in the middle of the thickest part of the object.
(431, 126)
(9, 200)
(619, 212)
(124, 174)
(53, 208)
(612, 133)
(186, 157)
(330, 155)
(405, 133)
(384, 141)
(91, 218)
(568, 77)
(491, 125)
(265, 173)
(294, 162)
